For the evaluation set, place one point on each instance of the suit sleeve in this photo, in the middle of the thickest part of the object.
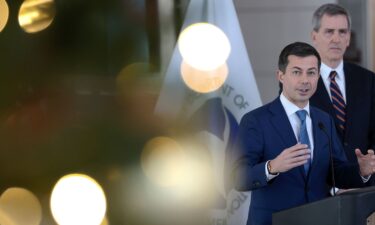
(346, 173)
(372, 113)
(371, 134)
(248, 164)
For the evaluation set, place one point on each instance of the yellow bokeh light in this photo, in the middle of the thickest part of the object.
(180, 168)
(134, 70)
(131, 75)
(204, 46)
(19, 206)
(105, 221)
(78, 199)
(203, 81)
(36, 15)
(4, 219)
(4, 14)
(197, 186)
(162, 161)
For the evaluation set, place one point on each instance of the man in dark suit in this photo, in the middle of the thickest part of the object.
(282, 149)
(352, 104)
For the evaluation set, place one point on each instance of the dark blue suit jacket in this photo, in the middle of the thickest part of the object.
(360, 98)
(263, 134)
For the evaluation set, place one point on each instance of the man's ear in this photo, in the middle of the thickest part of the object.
(350, 36)
(280, 76)
(313, 35)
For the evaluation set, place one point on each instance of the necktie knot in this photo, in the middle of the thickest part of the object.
(332, 75)
(301, 115)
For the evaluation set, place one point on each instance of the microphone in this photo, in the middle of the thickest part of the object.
(323, 128)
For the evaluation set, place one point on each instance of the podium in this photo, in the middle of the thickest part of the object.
(350, 208)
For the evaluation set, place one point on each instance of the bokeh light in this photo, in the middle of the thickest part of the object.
(78, 199)
(137, 93)
(204, 46)
(203, 81)
(36, 15)
(197, 186)
(183, 168)
(132, 76)
(162, 161)
(4, 14)
(19, 206)
(105, 221)
(4, 219)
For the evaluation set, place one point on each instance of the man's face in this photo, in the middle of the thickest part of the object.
(332, 39)
(300, 79)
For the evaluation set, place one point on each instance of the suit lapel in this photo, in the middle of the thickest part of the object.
(318, 136)
(323, 96)
(281, 124)
(351, 95)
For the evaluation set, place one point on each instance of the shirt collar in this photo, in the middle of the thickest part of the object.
(291, 108)
(326, 70)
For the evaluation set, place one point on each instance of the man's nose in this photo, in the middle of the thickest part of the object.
(304, 79)
(336, 37)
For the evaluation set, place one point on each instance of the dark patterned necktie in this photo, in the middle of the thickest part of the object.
(337, 101)
(303, 136)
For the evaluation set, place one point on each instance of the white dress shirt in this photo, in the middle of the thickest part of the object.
(291, 109)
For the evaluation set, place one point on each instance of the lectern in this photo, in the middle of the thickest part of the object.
(349, 208)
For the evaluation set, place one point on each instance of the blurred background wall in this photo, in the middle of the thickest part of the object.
(269, 25)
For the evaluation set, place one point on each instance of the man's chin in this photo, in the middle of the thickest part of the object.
(304, 98)
(336, 56)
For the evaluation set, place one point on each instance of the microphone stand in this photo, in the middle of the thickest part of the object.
(322, 127)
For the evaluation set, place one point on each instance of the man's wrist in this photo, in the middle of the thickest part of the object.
(269, 169)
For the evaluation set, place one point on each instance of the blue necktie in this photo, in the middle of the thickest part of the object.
(303, 135)
(337, 101)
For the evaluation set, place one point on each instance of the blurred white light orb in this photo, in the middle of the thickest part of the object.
(204, 81)
(162, 161)
(204, 46)
(78, 199)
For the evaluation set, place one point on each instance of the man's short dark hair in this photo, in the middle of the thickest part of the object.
(299, 49)
(330, 10)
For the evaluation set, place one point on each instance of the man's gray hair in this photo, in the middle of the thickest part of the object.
(330, 10)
